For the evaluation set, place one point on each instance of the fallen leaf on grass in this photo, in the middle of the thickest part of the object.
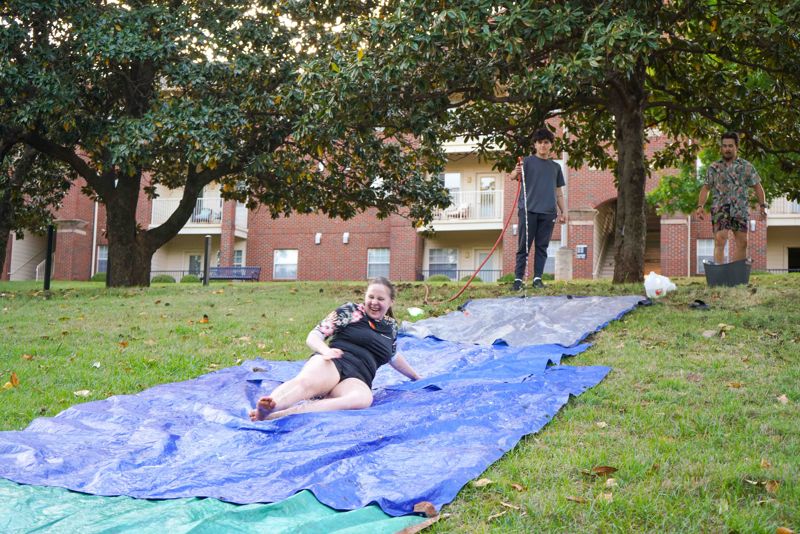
(495, 516)
(481, 483)
(29, 357)
(765, 464)
(14, 382)
(123, 344)
(509, 505)
(735, 385)
(425, 507)
(772, 486)
(218, 292)
(82, 393)
(603, 470)
(601, 424)
(783, 399)
(611, 482)
(783, 530)
(579, 500)
(96, 365)
(518, 487)
(204, 320)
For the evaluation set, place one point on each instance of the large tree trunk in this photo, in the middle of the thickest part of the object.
(626, 102)
(131, 247)
(129, 253)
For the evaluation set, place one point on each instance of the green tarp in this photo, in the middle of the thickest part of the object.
(54, 510)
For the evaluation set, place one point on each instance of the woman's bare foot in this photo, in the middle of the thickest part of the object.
(264, 407)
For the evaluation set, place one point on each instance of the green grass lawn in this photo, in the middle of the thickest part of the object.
(699, 416)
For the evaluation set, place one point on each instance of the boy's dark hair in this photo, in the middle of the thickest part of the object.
(541, 134)
(731, 135)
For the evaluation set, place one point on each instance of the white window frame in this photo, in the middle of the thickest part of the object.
(238, 262)
(443, 270)
(376, 266)
(705, 251)
(277, 255)
(102, 259)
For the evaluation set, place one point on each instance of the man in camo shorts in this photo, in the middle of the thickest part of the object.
(730, 180)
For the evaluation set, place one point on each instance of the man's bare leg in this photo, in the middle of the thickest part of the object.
(349, 394)
(317, 377)
(720, 238)
(741, 246)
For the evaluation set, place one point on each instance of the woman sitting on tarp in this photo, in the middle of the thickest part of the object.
(360, 338)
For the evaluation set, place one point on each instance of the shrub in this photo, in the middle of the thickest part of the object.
(465, 278)
(98, 277)
(190, 278)
(162, 279)
(506, 278)
(438, 278)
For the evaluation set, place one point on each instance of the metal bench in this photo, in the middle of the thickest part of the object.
(234, 273)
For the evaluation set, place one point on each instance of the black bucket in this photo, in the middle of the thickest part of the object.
(727, 274)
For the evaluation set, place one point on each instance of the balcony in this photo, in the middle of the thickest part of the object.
(206, 216)
(471, 210)
(783, 212)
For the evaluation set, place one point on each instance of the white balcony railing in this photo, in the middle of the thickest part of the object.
(472, 206)
(207, 210)
(783, 206)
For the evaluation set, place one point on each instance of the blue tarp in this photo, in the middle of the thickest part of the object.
(419, 441)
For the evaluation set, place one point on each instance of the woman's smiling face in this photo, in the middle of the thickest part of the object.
(377, 301)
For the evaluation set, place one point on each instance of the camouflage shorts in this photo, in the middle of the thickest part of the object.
(722, 219)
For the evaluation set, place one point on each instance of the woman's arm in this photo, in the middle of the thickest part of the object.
(316, 342)
(402, 366)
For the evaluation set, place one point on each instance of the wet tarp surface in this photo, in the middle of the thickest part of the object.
(418, 442)
(519, 321)
(55, 510)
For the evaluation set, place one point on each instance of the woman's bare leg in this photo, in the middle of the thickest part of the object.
(317, 377)
(349, 394)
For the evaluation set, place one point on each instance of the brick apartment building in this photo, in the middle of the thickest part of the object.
(315, 247)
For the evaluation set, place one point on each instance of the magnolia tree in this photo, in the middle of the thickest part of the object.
(130, 95)
(610, 71)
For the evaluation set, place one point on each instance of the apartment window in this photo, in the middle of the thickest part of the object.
(443, 261)
(378, 262)
(102, 258)
(452, 181)
(195, 264)
(284, 265)
(705, 251)
(238, 256)
(550, 264)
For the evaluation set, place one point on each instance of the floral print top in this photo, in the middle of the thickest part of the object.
(730, 185)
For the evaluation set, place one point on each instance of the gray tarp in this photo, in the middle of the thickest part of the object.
(519, 321)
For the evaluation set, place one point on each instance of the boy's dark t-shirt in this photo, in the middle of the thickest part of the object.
(542, 177)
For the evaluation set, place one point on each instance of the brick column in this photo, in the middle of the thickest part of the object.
(676, 250)
(406, 246)
(510, 239)
(581, 232)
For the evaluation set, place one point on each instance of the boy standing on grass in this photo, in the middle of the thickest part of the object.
(541, 202)
(730, 179)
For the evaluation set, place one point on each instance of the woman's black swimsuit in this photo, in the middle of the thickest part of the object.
(366, 344)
